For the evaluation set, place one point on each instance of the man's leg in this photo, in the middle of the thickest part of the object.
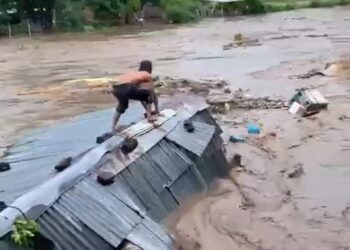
(145, 97)
(122, 107)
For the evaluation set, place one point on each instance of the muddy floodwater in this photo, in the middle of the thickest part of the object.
(292, 191)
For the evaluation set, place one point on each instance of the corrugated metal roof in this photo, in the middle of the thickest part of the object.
(151, 181)
(148, 236)
(67, 232)
(186, 185)
(195, 142)
(88, 218)
(212, 163)
(152, 174)
(108, 217)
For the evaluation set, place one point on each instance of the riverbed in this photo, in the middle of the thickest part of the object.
(259, 207)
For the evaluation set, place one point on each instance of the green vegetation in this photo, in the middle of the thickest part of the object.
(181, 11)
(24, 231)
(71, 15)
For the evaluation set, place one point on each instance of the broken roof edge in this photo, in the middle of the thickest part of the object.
(38, 200)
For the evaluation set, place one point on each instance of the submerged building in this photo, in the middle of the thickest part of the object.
(170, 164)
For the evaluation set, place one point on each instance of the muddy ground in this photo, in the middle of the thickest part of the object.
(260, 206)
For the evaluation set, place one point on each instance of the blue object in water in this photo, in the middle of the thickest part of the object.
(253, 129)
(237, 138)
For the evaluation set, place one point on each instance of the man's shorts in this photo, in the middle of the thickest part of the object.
(125, 92)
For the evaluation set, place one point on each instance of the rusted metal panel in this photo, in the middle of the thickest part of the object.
(195, 142)
(148, 236)
(67, 232)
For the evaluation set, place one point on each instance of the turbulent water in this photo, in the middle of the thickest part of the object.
(258, 206)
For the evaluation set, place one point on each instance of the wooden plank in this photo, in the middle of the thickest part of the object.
(144, 126)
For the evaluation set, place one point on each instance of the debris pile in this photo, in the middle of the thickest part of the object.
(338, 68)
(221, 102)
(240, 41)
(172, 85)
(307, 102)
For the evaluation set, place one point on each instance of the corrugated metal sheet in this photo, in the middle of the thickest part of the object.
(107, 216)
(86, 219)
(148, 236)
(67, 232)
(123, 191)
(150, 176)
(145, 143)
(204, 116)
(195, 142)
(213, 163)
(186, 185)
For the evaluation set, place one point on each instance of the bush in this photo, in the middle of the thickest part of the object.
(181, 11)
(176, 14)
(254, 7)
(289, 7)
(315, 4)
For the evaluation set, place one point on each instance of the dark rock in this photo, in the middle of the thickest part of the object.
(129, 145)
(188, 125)
(227, 90)
(101, 139)
(105, 178)
(296, 172)
(3, 206)
(236, 161)
(4, 166)
(63, 164)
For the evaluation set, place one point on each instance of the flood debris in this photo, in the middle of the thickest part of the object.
(240, 41)
(331, 69)
(296, 171)
(316, 35)
(307, 103)
(236, 161)
(166, 85)
(253, 129)
(4, 166)
(64, 164)
(344, 117)
(311, 73)
(239, 99)
(237, 138)
(283, 37)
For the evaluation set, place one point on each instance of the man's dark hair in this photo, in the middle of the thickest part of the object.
(146, 66)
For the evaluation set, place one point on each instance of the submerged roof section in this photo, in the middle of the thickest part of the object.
(149, 183)
(143, 194)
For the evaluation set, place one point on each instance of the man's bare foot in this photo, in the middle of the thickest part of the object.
(152, 118)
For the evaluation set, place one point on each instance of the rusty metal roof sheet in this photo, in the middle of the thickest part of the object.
(195, 142)
(67, 232)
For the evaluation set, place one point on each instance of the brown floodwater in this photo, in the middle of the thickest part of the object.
(259, 206)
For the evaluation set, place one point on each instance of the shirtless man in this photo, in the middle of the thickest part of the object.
(135, 86)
